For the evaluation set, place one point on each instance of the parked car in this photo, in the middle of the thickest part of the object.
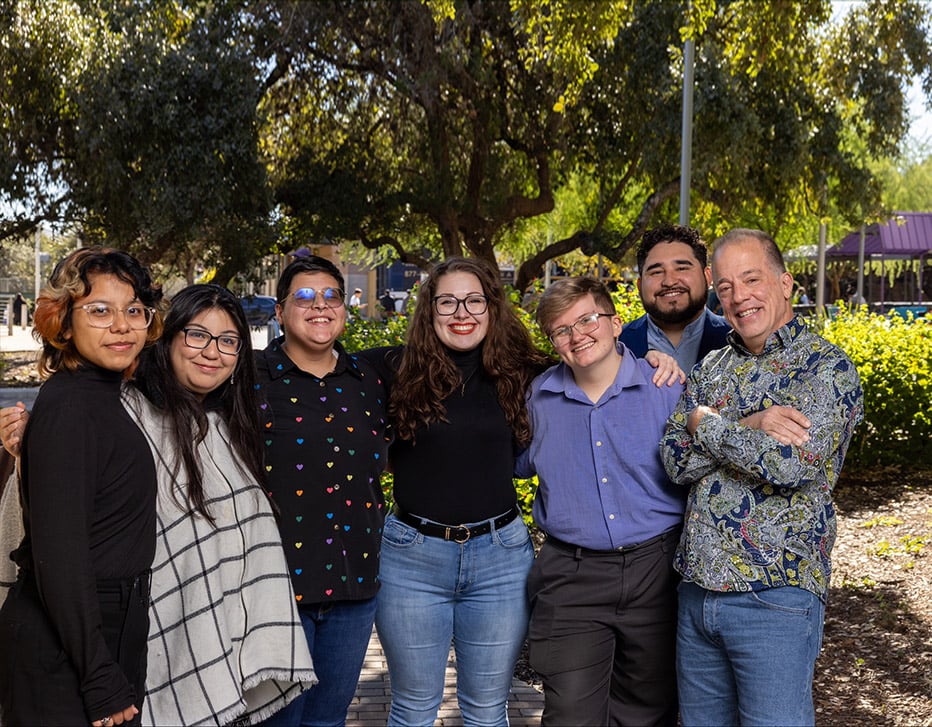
(259, 309)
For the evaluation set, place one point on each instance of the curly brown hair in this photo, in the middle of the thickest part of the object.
(70, 281)
(427, 374)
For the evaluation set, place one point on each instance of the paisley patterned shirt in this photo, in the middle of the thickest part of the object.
(760, 514)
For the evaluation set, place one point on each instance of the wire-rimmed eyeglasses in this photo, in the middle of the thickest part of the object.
(306, 297)
(226, 343)
(101, 315)
(586, 324)
(447, 305)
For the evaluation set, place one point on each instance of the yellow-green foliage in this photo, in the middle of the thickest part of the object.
(628, 304)
(361, 333)
(894, 359)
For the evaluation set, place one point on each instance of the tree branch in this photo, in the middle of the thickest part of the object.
(374, 243)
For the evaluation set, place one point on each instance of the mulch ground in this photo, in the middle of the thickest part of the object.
(18, 369)
(876, 661)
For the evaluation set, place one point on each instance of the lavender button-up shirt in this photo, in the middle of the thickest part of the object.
(602, 484)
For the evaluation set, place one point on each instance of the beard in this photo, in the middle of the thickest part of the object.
(692, 310)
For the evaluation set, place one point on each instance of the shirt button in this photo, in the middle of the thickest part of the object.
(611, 517)
(604, 480)
(322, 383)
(598, 444)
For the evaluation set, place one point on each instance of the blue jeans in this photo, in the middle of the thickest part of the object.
(747, 658)
(338, 636)
(434, 590)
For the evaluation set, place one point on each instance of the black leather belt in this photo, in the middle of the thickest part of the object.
(456, 533)
(579, 550)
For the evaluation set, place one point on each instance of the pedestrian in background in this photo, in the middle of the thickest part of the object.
(20, 311)
(355, 304)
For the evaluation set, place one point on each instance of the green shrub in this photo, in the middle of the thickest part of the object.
(894, 359)
(363, 333)
(628, 304)
(526, 490)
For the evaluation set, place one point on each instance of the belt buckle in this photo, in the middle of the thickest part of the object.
(450, 536)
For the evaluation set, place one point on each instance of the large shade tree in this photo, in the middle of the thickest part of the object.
(430, 128)
(436, 128)
(138, 123)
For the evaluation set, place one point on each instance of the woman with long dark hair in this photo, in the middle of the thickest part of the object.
(455, 552)
(73, 627)
(225, 642)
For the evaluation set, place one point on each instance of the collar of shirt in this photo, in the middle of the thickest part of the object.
(779, 339)
(278, 363)
(559, 379)
(687, 352)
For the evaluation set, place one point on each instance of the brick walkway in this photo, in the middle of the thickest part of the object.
(373, 696)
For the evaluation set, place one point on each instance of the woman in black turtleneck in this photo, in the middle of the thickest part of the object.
(455, 553)
(73, 628)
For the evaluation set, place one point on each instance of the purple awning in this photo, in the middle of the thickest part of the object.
(906, 234)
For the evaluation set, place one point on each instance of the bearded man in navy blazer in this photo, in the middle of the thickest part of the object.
(673, 285)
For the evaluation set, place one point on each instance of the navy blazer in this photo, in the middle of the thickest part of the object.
(634, 335)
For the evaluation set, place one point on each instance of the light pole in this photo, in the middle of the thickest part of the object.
(686, 156)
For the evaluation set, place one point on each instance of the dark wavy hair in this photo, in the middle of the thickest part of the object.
(672, 233)
(427, 374)
(184, 411)
(70, 281)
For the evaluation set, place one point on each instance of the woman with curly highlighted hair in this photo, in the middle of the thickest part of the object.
(456, 552)
(73, 628)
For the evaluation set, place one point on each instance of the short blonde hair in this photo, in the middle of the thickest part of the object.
(562, 294)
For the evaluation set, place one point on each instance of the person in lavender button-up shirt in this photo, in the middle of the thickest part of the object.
(603, 589)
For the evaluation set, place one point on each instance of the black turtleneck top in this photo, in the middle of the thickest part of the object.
(461, 470)
(89, 492)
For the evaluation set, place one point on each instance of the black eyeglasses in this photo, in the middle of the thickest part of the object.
(306, 297)
(197, 338)
(586, 324)
(447, 305)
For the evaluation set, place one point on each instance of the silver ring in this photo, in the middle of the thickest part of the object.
(105, 721)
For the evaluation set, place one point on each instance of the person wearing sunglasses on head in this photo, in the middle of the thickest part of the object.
(325, 440)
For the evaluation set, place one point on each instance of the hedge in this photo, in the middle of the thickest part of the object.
(894, 360)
